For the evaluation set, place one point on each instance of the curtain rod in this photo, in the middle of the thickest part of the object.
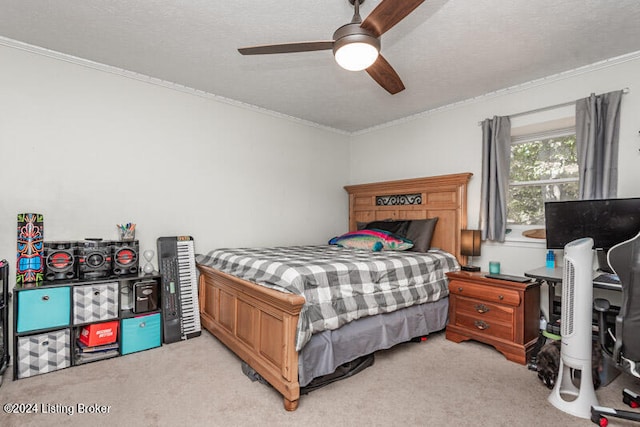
(550, 107)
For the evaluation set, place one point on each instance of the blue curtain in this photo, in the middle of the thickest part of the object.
(496, 160)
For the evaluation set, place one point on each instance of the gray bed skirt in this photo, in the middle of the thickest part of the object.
(328, 350)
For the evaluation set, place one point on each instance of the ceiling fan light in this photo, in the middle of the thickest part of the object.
(356, 56)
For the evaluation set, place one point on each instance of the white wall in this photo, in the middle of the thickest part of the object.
(449, 141)
(91, 149)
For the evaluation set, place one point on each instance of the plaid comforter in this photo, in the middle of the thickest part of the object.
(339, 284)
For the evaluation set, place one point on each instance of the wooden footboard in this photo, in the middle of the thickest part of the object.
(257, 323)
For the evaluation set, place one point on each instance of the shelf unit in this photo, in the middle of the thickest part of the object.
(49, 319)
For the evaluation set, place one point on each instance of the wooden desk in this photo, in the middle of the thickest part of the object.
(553, 277)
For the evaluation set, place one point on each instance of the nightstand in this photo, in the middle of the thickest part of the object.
(503, 314)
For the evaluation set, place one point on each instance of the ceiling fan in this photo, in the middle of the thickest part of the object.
(356, 45)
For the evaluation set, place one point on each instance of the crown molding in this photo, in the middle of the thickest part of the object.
(158, 82)
(509, 90)
(196, 92)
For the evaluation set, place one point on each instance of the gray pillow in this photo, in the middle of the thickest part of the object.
(395, 227)
(420, 232)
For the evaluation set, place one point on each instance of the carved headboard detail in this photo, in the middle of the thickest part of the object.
(442, 196)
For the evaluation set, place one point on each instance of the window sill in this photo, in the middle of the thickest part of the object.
(516, 239)
(521, 243)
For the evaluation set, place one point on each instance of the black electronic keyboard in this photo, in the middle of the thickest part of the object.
(180, 310)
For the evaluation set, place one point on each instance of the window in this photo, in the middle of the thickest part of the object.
(544, 167)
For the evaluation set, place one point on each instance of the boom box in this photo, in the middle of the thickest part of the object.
(125, 258)
(94, 258)
(60, 261)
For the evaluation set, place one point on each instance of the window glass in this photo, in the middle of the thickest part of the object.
(543, 168)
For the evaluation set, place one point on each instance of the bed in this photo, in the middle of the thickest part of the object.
(263, 323)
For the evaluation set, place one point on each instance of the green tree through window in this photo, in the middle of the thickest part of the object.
(542, 169)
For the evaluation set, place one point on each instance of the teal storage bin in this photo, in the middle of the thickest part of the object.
(43, 308)
(141, 333)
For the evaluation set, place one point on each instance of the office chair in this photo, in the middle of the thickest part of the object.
(624, 259)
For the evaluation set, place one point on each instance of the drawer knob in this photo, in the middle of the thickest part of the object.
(45, 343)
(481, 308)
(45, 298)
(143, 324)
(500, 297)
(96, 293)
(459, 288)
(481, 325)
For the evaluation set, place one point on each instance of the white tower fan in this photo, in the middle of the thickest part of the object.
(575, 330)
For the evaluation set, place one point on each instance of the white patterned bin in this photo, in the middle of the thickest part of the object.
(42, 353)
(93, 303)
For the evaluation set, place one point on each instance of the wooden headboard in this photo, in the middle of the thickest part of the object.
(442, 196)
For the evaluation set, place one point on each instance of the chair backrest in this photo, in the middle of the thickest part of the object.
(624, 259)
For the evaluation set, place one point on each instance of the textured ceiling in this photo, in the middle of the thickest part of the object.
(445, 51)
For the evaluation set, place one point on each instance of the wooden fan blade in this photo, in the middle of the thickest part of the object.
(387, 14)
(383, 73)
(287, 47)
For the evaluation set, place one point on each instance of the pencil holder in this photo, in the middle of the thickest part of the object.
(127, 232)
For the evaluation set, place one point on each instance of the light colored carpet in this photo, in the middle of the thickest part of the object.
(199, 382)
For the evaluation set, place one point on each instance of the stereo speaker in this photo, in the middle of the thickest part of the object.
(61, 262)
(94, 258)
(125, 258)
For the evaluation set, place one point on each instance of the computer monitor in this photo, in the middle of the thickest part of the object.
(607, 221)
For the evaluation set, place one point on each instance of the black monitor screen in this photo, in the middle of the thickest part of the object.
(608, 221)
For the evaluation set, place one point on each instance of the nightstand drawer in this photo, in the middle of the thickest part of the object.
(485, 326)
(42, 353)
(43, 308)
(93, 303)
(485, 293)
(484, 310)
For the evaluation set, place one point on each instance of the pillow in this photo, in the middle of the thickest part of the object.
(420, 232)
(395, 227)
(374, 240)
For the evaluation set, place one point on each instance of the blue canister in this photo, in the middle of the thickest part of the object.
(551, 259)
